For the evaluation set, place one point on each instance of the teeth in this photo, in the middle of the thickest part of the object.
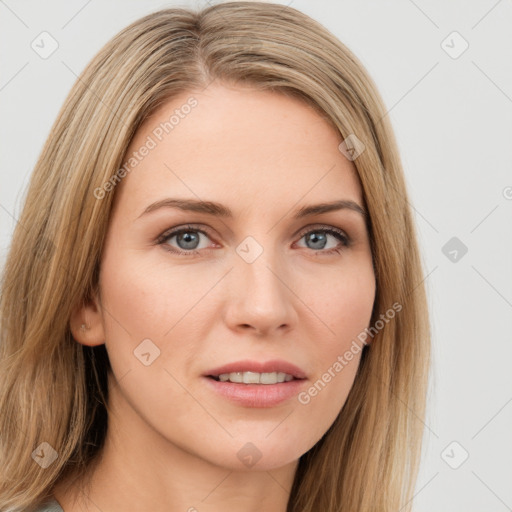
(251, 378)
(255, 378)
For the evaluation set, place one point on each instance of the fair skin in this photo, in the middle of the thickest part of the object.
(173, 442)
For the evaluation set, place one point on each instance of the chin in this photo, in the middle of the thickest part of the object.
(249, 453)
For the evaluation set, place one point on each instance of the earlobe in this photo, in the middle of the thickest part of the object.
(86, 323)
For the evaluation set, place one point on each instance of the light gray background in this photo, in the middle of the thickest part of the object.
(453, 121)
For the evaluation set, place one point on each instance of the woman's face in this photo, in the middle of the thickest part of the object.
(261, 285)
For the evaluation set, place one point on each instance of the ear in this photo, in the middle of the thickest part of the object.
(86, 322)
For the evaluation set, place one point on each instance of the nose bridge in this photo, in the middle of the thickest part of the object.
(262, 299)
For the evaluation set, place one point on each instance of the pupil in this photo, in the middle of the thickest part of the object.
(315, 238)
(188, 238)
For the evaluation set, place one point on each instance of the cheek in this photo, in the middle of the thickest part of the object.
(345, 307)
(150, 308)
(343, 302)
(144, 332)
(147, 299)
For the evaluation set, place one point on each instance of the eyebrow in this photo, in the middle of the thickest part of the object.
(217, 209)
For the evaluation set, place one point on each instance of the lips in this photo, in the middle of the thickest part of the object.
(256, 384)
(277, 365)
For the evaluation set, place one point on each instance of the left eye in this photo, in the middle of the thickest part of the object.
(188, 239)
(319, 238)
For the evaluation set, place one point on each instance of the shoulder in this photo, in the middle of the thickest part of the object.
(50, 506)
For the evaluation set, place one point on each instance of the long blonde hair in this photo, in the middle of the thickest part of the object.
(54, 390)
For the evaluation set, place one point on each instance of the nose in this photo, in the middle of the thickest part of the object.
(260, 297)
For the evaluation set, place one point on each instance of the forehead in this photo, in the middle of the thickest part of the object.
(237, 145)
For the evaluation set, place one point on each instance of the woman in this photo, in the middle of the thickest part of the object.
(214, 295)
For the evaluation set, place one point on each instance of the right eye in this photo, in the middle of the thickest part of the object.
(188, 237)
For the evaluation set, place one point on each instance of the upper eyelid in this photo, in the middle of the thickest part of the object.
(320, 227)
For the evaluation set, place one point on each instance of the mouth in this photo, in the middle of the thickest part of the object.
(265, 378)
(254, 384)
(256, 372)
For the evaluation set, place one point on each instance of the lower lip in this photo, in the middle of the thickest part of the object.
(257, 395)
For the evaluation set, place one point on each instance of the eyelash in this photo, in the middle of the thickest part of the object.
(337, 233)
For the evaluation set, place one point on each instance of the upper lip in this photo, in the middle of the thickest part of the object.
(276, 365)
